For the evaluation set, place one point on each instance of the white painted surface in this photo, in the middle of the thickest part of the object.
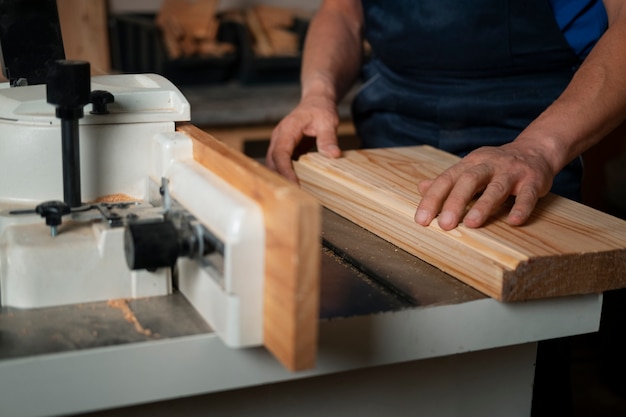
(84, 262)
(231, 302)
(182, 367)
(81, 266)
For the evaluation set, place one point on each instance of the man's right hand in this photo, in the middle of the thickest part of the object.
(313, 117)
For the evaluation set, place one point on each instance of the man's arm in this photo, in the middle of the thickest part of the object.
(592, 105)
(330, 64)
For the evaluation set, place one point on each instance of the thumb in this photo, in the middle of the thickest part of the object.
(327, 144)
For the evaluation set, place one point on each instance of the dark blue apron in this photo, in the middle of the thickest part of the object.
(458, 75)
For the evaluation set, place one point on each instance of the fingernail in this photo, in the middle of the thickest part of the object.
(472, 216)
(446, 218)
(421, 217)
(516, 217)
(330, 150)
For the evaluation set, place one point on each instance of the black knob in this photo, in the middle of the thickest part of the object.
(99, 101)
(68, 87)
(151, 245)
(52, 211)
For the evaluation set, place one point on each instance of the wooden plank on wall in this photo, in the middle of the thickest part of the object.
(566, 248)
(293, 248)
(85, 32)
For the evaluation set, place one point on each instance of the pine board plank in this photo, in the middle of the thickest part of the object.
(292, 248)
(566, 248)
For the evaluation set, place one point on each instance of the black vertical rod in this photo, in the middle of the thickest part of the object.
(71, 162)
(68, 87)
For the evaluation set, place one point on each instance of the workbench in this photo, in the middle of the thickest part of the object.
(396, 334)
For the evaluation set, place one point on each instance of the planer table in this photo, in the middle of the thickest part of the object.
(379, 306)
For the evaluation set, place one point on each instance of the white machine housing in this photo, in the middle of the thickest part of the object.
(126, 152)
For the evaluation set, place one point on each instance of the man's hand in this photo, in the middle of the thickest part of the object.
(316, 117)
(497, 172)
(331, 62)
(591, 106)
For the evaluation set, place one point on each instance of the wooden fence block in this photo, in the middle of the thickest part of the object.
(292, 248)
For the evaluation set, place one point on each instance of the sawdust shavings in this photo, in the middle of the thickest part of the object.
(122, 304)
(114, 198)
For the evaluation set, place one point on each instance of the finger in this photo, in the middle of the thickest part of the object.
(283, 165)
(492, 197)
(269, 158)
(424, 185)
(279, 154)
(280, 161)
(525, 202)
(326, 142)
(433, 198)
(468, 185)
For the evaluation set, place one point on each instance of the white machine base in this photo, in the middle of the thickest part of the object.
(124, 153)
(37, 271)
(85, 261)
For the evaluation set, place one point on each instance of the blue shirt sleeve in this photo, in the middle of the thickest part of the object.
(582, 22)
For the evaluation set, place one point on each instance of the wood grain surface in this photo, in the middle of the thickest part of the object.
(566, 248)
(292, 248)
(85, 32)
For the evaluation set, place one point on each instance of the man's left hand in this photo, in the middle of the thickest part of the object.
(494, 172)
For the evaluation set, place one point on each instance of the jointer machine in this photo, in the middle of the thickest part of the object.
(141, 260)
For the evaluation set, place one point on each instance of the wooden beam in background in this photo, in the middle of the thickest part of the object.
(85, 32)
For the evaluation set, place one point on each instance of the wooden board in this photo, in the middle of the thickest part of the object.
(293, 250)
(85, 33)
(566, 248)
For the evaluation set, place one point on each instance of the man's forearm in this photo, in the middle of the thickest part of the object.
(592, 105)
(333, 50)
